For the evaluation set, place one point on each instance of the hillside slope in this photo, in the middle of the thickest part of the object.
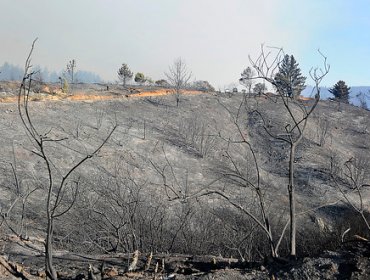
(147, 188)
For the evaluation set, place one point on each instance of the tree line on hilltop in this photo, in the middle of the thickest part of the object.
(10, 72)
(290, 78)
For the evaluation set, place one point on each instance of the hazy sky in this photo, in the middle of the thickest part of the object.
(214, 37)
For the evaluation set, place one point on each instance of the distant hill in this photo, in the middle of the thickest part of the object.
(355, 94)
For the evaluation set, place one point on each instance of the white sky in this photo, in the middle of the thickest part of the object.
(214, 37)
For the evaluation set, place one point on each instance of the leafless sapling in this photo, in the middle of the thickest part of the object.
(70, 71)
(57, 185)
(178, 76)
(20, 193)
(240, 176)
(268, 66)
(353, 182)
(175, 191)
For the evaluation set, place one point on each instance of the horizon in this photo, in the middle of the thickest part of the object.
(214, 39)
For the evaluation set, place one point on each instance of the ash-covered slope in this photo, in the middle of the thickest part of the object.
(151, 178)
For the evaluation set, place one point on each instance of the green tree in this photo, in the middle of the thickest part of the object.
(140, 78)
(289, 80)
(340, 91)
(124, 74)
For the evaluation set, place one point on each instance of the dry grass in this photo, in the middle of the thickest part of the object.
(49, 94)
(84, 97)
(162, 92)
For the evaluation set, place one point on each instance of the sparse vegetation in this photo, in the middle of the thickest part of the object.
(207, 178)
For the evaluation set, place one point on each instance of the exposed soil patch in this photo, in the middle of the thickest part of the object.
(54, 94)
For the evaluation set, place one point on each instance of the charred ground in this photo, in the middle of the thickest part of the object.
(142, 191)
